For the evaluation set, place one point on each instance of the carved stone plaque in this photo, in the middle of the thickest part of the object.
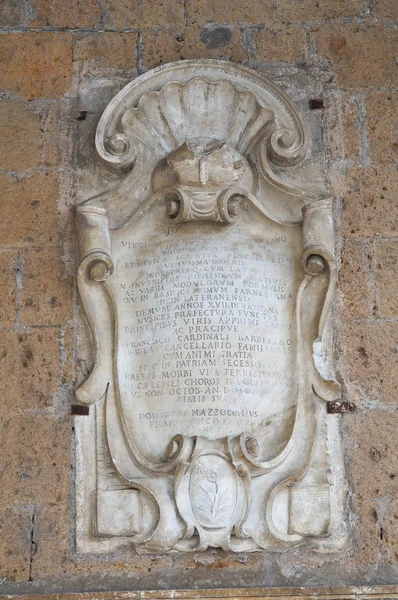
(206, 279)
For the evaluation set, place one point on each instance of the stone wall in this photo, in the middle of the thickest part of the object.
(61, 62)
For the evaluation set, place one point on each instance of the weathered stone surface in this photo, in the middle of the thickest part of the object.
(354, 280)
(38, 459)
(385, 268)
(370, 448)
(123, 14)
(36, 64)
(316, 11)
(107, 51)
(351, 48)
(382, 126)
(341, 121)
(46, 296)
(20, 135)
(209, 42)
(65, 15)
(369, 362)
(50, 128)
(385, 10)
(11, 13)
(8, 273)
(30, 368)
(370, 198)
(200, 12)
(29, 210)
(161, 47)
(15, 547)
(279, 43)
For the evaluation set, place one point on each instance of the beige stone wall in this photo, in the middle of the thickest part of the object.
(49, 49)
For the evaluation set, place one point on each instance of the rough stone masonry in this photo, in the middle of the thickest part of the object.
(60, 65)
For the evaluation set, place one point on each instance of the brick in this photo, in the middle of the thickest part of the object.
(307, 11)
(368, 361)
(46, 297)
(165, 46)
(122, 14)
(361, 56)
(371, 196)
(385, 268)
(36, 64)
(8, 267)
(11, 13)
(29, 368)
(200, 12)
(15, 547)
(354, 280)
(66, 15)
(38, 459)
(29, 210)
(280, 44)
(20, 136)
(107, 51)
(382, 126)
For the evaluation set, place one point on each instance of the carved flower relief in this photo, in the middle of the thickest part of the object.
(213, 491)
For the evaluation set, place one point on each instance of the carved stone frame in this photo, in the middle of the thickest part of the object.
(276, 140)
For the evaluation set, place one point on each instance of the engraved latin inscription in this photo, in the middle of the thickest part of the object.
(206, 333)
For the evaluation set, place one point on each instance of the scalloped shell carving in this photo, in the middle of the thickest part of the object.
(164, 120)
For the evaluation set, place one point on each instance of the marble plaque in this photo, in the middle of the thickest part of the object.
(206, 277)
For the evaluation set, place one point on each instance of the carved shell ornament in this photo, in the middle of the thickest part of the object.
(206, 256)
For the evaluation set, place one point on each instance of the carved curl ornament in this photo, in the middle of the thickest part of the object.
(206, 278)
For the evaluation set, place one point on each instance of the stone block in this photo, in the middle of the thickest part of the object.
(382, 126)
(46, 297)
(254, 12)
(15, 547)
(368, 362)
(8, 286)
(354, 280)
(51, 128)
(30, 368)
(29, 210)
(341, 126)
(107, 51)
(370, 449)
(351, 50)
(12, 13)
(52, 523)
(36, 64)
(211, 42)
(66, 15)
(280, 44)
(385, 269)
(371, 196)
(20, 136)
(385, 10)
(125, 14)
(317, 11)
(38, 459)
(390, 531)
